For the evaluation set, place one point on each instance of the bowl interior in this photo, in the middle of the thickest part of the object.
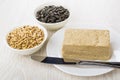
(48, 4)
(45, 37)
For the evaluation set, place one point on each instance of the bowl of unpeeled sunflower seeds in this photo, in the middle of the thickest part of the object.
(52, 16)
(26, 39)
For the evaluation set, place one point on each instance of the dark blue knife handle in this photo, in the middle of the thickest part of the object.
(51, 60)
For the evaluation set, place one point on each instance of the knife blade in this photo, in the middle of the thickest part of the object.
(60, 61)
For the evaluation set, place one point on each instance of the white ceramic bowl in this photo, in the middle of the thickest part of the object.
(51, 26)
(30, 50)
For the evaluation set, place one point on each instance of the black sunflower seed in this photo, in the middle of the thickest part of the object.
(52, 14)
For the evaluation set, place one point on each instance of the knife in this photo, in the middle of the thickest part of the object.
(60, 61)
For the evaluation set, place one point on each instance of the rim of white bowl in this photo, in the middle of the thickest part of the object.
(47, 4)
(39, 26)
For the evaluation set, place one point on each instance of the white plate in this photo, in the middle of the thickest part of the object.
(54, 49)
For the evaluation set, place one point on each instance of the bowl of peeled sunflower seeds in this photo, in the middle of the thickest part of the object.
(26, 39)
(52, 15)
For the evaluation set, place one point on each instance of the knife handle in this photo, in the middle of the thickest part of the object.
(97, 63)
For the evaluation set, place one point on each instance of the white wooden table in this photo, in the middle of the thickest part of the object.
(83, 12)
